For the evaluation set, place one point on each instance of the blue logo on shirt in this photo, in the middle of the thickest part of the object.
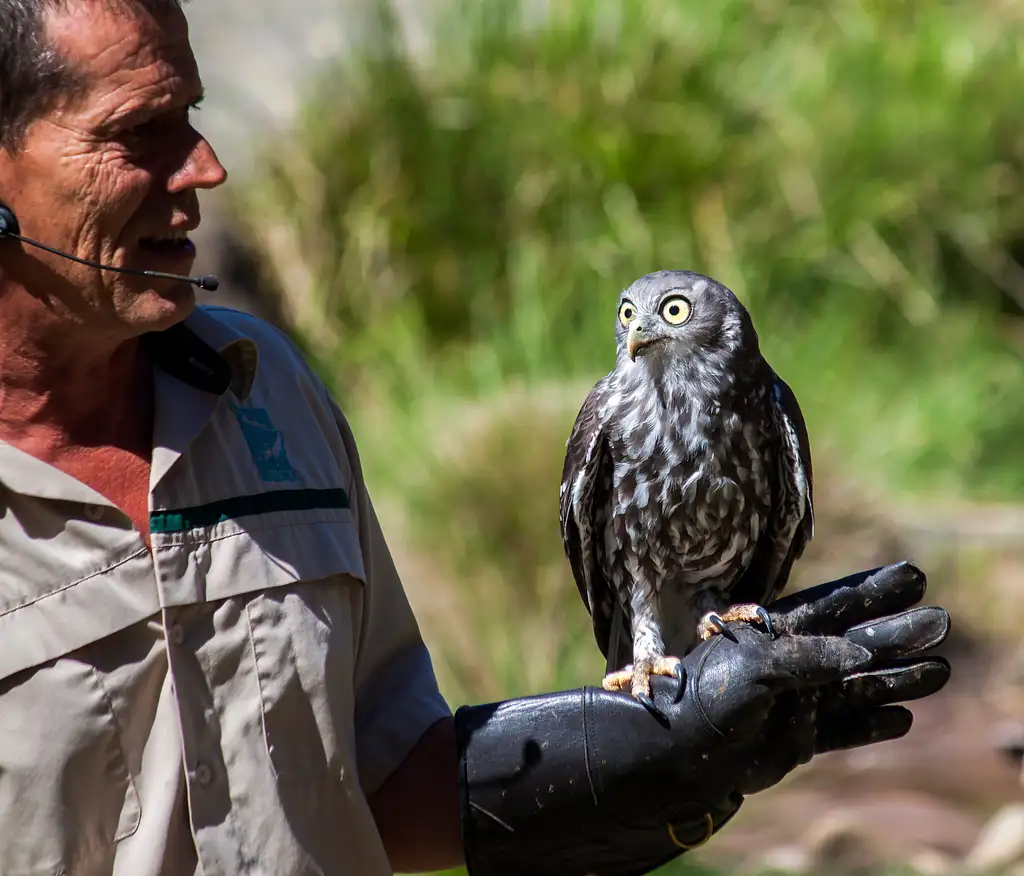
(266, 444)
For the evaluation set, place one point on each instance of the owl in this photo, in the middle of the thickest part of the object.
(687, 490)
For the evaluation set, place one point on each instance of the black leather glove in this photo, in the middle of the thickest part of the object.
(590, 782)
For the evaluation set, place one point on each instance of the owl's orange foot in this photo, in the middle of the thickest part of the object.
(713, 623)
(637, 678)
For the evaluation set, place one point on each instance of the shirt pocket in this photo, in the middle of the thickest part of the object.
(67, 795)
(303, 623)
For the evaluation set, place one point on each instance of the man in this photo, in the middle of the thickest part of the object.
(207, 661)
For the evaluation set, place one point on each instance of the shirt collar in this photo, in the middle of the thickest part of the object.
(185, 405)
(191, 354)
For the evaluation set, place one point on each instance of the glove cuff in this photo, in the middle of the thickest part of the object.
(579, 782)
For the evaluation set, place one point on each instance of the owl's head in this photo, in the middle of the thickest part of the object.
(666, 315)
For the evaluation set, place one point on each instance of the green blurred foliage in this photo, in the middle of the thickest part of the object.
(448, 234)
(850, 170)
(487, 502)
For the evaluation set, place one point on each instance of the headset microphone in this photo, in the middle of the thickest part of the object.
(9, 227)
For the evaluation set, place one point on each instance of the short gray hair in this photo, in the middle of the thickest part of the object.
(33, 75)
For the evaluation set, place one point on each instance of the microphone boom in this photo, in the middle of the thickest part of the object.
(9, 228)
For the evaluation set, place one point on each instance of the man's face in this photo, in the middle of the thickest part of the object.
(112, 173)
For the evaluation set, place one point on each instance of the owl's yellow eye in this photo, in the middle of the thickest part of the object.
(627, 313)
(675, 310)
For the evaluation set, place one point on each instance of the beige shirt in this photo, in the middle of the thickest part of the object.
(225, 704)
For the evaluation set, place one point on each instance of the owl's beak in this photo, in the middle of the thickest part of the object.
(637, 339)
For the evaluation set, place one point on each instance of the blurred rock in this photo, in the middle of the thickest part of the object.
(843, 828)
(1008, 739)
(929, 862)
(784, 859)
(898, 828)
(1001, 842)
(837, 843)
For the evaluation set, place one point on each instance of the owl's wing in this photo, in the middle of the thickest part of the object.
(791, 523)
(584, 505)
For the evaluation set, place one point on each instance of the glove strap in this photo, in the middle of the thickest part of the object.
(709, 823)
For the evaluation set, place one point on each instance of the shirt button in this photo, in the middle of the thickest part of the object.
(94, 512)
(204, 775)
(177, 634)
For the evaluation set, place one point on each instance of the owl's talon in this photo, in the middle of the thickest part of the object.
(636, 678)
(680, 678)
(648, 704)
(711, 625)
(669, 667)
(715, 624)
(766, 619)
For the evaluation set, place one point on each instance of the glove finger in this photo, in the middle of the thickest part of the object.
(904, 634)
(897, 682)
(788, 739)
(834, 607)
(754, 666)
(810, 661)
(803, 661)
(853, 730)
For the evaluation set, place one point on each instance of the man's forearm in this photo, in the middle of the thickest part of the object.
(417, 808)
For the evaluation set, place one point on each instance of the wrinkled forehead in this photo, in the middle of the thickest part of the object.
(117, 46)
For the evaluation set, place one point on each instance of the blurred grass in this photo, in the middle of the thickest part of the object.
(851, 172)
(448, 235)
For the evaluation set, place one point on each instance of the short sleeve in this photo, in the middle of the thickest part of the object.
(396, 692)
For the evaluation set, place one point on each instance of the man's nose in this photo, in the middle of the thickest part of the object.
(201, 169)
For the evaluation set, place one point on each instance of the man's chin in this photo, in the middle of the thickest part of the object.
(159, 309)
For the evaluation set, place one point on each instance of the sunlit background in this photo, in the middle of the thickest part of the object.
(442, 206)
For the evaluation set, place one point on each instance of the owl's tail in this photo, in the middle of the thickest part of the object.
(620, 642)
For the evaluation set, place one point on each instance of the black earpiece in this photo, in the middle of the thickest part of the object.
(8, 222)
